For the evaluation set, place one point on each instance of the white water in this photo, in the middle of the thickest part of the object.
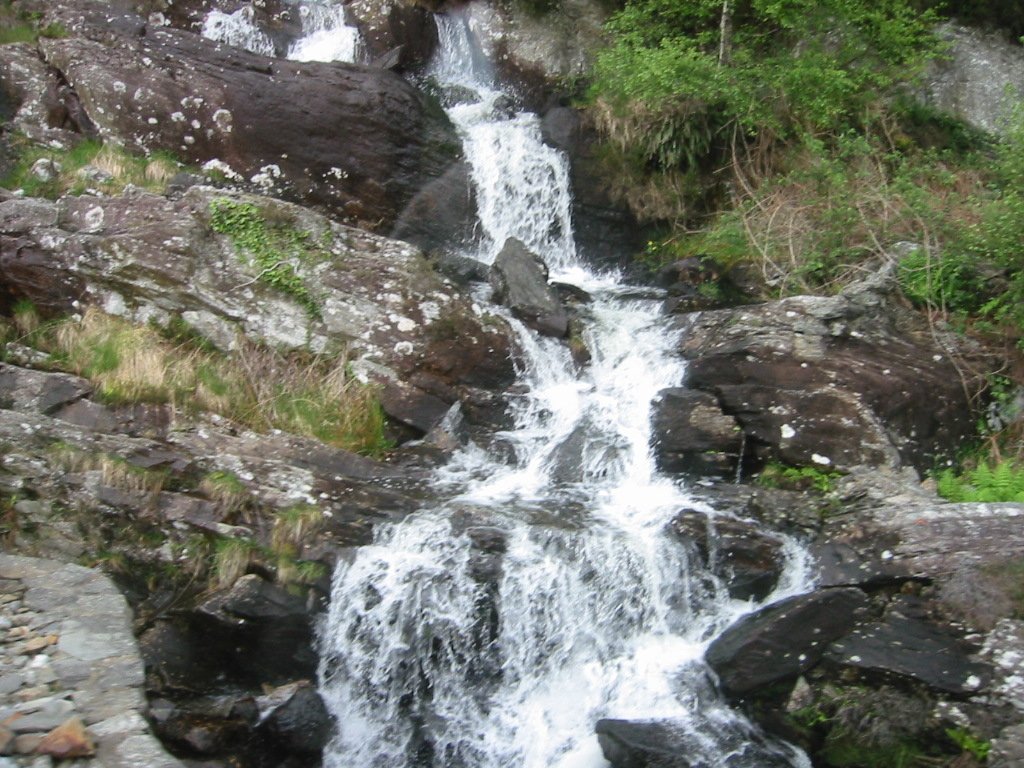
(436, 653)
(326, 35)
(238, 29)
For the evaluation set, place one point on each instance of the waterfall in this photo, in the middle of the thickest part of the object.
(238, 29)
(326, 35)
(537, 595)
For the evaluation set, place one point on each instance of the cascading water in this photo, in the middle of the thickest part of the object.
(539, 595)
(326, 35)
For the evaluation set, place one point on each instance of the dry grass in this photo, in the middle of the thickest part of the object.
(258, 387)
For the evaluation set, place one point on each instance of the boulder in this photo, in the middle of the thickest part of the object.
(365, 150)
(396, 34)
(832, 382)
(692, 435)
(740, 553)
(775, 644)
(520, 281)
(441, 217)
(294, 719)
(665, 744)
(606, 232)
(908, 647)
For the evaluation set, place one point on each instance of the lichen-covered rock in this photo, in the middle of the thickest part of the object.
(831, 382)
(153, 259)
(979, 77)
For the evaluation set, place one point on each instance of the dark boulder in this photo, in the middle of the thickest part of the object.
(358, 141)
(909, 647)
(832, 382)
(745, 557)
(520, 281)
(440, 218)
(606, 232)
(775, 644)
(295, 719)
(692, 434)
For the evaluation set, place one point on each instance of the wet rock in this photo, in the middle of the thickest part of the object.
(520, 281)
(831, 382)
(441, 217)
(745, 557)
(908, 647)
(172, 90)
(399, 35)
(776, 643)
(838, 564)
(295, 719)
(606, 232)
(692, 435)
(1007, 750)
(631, 744)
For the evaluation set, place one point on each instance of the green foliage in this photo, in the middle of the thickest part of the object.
(1002, 481)
(112, 169)
(843, 753)
(968, 742)
(673, 82)
(940, 281)
(777, 475)
(274, 250)
(17, 26)
(231, 559)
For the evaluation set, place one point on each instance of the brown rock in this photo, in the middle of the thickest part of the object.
(68, 740)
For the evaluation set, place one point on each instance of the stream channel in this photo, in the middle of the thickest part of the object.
(539, 593)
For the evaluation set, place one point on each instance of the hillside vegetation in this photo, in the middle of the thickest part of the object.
(781, 138)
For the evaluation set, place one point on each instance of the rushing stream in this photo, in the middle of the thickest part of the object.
(540, 593)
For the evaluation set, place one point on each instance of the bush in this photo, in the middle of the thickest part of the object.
(1002, 481)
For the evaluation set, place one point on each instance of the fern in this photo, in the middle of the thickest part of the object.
(984, 483)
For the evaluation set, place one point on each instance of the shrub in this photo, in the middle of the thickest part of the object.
(987, 482)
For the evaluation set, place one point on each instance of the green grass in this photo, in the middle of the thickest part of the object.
(120, 168)
(777, 475)
(273, 250)
(17, 26)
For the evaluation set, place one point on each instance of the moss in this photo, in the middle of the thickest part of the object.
(778, 475)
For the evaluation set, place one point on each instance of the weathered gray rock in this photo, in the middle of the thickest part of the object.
(979, 78)
(520, 281)
(831, 382)
(154, 259)
(778, 642)
(397, 34)
(741, 553)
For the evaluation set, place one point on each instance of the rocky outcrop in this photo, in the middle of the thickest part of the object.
(158, 260)
(396, 33)
(371, 142)
(693, 435)
(979, 78)
(520, 281)
(606, 232)
(827, 382)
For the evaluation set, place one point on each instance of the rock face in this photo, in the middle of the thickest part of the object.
(395, 34)
(157, 260)
(605, 230)
(520, 281)
(979, 77)
(777, 643)
(365, 149)
(829, 382)
(693, 435)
